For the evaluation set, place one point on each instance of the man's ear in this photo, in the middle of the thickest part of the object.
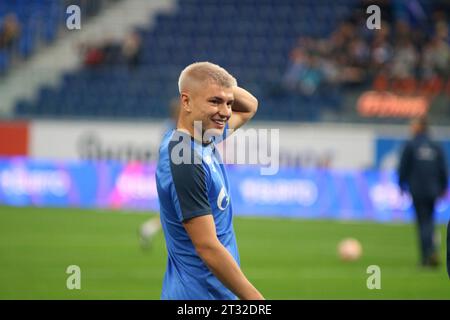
(186, 102)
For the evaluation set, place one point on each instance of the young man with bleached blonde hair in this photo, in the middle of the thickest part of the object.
(194, 192)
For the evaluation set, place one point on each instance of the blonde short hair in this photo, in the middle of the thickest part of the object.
(205, 71)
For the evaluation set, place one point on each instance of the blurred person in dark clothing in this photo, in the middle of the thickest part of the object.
(423, 172)
(94, 56)
(131, 49)
(9, 31)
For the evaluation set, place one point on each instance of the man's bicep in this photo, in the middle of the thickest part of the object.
(201, 230)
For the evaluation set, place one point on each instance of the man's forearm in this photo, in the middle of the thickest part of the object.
(224, 267)
(244, 101)
(244, 108)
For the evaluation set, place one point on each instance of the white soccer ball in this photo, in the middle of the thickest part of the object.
(349, 249)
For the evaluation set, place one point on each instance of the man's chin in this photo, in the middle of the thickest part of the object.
(213, 132)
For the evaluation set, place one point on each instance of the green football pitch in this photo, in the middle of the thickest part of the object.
(284, 258)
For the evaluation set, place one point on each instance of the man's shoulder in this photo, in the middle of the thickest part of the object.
(430, 142)
(166, 139)
(163, 156)
(174, 139)
(409, 144)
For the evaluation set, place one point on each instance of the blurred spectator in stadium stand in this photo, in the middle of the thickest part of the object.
(310, 79)
(297, 58)
(423, 172)
(436, 55)
(380, 54)
(330, 69)
(9, 31)
(131, 49)
(436, 59)
(92, 55)
(403, 66)
(301, 76)
(354, 71)
(441, 23)
(111, 50)
(107, 52)
(338, 44)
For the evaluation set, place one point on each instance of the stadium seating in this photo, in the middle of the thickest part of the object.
(251, 38)
(38, 20)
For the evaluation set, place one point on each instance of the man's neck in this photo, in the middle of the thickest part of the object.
(197, 136)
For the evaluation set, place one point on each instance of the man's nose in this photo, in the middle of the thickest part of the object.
(225, 110)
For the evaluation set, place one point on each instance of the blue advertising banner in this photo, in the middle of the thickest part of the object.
(322, 194)
(346, 195)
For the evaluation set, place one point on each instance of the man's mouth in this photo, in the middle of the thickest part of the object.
(220, 122)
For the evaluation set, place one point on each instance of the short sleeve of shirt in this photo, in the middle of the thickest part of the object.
(190, 188)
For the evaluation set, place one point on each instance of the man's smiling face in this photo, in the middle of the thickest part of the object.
(211, 104)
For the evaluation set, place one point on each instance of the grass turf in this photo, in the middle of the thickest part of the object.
(284, 258)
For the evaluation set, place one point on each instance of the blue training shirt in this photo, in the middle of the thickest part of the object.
(197, 186)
